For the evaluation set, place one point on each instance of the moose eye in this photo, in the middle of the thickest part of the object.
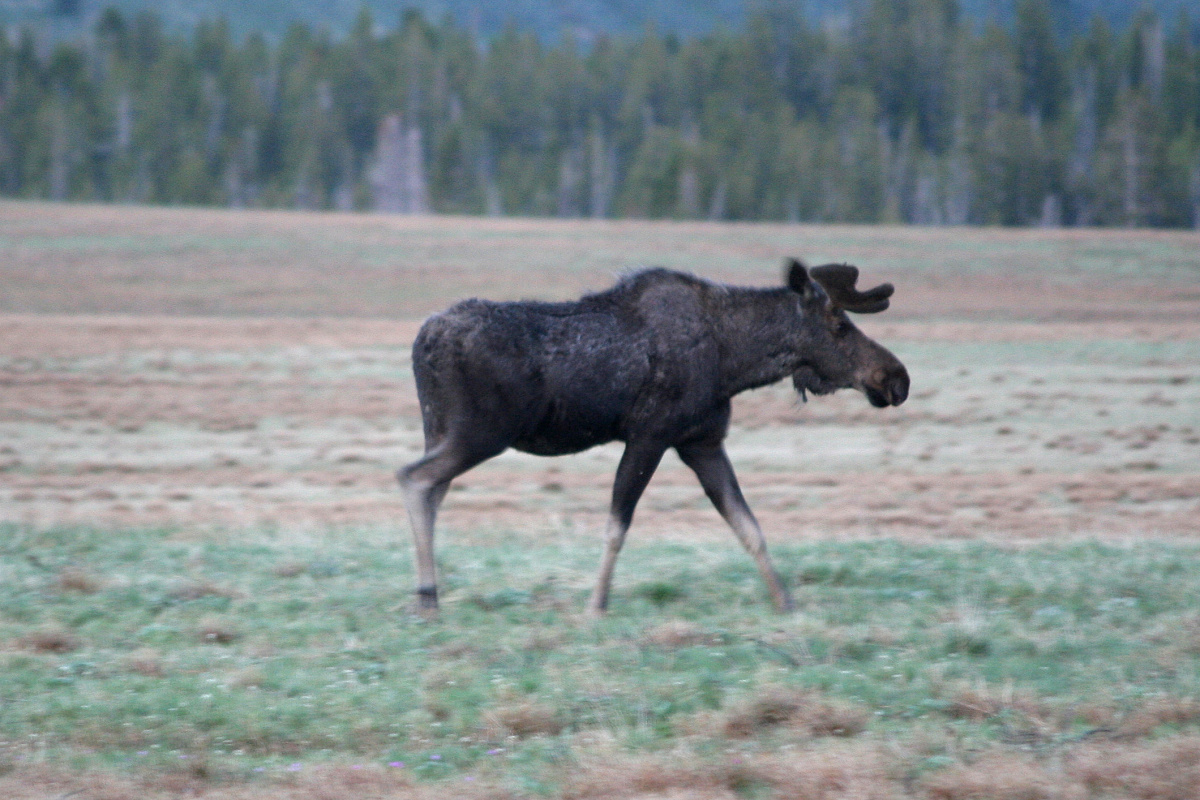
(843, 327)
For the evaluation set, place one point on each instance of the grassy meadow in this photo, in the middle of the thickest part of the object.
(264, 659)
(206, 578)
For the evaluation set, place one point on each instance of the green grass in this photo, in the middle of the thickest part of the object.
(256, 652)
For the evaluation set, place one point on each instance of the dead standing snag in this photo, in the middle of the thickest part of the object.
(652, 362)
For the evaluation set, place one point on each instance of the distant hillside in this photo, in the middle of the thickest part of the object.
(548, 17)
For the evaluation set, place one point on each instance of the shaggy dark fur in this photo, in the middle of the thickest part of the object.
(652, 362)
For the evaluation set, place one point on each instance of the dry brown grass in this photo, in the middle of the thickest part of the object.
(998, 777)
(50, 639)
(248, 678)
(827, 774)
(798, 709)
(217, 630)
(675, 634)
(145, 661)
(1187, 637)
(523, 720)
(1168, 769)
(656, 778)
(79, 580)
(197, 589)
(1148, 717)
(543, 642)
(1162, 770)
(980, 701)
(290, 569)
(329, 782)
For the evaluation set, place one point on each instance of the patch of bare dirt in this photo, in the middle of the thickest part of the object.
(135, 421)
(201, 367)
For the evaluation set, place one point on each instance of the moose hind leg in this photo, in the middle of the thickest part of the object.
(712, 467)
(637, 465)
(424, 484)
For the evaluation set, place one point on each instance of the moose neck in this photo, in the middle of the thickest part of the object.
(759, 337)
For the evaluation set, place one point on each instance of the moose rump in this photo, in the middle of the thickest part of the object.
(516, 370)
(652, 362)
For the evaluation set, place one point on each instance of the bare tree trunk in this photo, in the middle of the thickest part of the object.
(603, 164)
(398, 177)
(416, 185)
(891, 191)
(926, 204)
(216, 117)
(1051, 216)
(492, 201)
(123, 138)
(570, 179)
(716, 207)
(60, 167)
(1154, 56)
(1132, 207)
(900, 187)
(241, 171)
(689, 193)
(1081, 160)
(1194, 187)
(958, 179)
(304, 196)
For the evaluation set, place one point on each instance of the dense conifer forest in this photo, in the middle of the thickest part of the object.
(910, 112)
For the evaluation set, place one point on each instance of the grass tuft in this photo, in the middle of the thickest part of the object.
(798, 709)
(51, 639)
(190, 590)
(1153, 714)
(79, 581)
(996, 777)
(677, 633)
(217, 630)
(522, 720)
(145, 661)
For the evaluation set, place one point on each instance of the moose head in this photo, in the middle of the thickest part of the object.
(836, 354)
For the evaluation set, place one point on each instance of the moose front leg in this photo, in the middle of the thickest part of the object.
(638, 463)
(712, 467)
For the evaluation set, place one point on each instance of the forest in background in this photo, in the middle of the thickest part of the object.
(910, 113)
(547, 18)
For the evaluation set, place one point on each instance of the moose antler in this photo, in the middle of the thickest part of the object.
(838, 281)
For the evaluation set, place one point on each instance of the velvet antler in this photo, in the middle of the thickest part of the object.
(838, 281)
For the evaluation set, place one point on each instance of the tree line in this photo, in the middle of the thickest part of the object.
(910, 113)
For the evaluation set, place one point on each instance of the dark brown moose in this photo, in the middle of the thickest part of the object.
(651, 362)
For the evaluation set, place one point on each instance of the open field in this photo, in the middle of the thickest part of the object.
(204, 567)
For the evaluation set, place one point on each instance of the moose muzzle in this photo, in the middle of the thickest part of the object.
(887, 386)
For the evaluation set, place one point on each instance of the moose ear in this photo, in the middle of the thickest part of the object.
(795, 275)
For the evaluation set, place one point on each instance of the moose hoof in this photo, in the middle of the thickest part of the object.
(595, 609)
(427, 598)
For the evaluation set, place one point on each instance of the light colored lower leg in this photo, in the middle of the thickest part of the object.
(419, 499)
(614, 537)
(745, 527)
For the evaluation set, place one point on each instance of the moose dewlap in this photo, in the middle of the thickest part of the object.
(652, 362)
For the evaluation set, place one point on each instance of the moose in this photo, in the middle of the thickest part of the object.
(652, 362)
